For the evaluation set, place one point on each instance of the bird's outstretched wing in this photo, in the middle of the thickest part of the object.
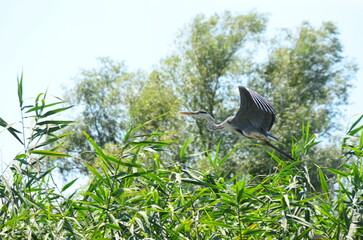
(254, 109)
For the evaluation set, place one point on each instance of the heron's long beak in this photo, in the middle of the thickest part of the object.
(187, 113)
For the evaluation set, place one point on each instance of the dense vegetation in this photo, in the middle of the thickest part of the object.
(303, 72)
(153, 175)
(126, 200)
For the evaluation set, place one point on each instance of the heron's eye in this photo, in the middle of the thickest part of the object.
(202, 112)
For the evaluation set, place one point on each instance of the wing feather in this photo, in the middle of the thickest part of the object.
(254, 110)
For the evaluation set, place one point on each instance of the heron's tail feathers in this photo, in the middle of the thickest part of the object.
(271, 137)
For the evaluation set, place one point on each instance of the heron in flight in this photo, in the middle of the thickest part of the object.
(253, 120)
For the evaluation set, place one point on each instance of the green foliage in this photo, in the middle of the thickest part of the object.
(212, 56)
(145, 184)
(103, 94)
(103, 97)
(127, 199)
(303, 72)
(306, 77)
(153, 100)
(27, 192)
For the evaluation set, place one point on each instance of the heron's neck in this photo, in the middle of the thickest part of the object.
(212, 126)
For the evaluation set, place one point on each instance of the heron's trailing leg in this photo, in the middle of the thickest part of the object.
(279, 150)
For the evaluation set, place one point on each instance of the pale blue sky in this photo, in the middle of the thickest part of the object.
(51, 40)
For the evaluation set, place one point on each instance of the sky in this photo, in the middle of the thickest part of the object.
(51, 41)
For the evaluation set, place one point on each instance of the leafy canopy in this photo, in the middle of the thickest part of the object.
(303, 72)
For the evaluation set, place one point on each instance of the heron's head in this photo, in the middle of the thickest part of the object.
(198, 114)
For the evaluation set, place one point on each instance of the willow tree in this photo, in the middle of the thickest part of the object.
(102, 96)
(304, 73)
(213, 56)
(307, 77)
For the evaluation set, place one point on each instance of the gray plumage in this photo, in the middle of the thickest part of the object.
(255, 115)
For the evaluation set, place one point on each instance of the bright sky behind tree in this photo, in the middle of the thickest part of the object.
(50, 41)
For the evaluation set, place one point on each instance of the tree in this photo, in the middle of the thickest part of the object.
(103, 97)
(307, 77)
(304, 75)
(213, 57)
(156, 109)
(155, 99)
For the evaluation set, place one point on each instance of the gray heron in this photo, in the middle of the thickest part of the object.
(253, 120)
